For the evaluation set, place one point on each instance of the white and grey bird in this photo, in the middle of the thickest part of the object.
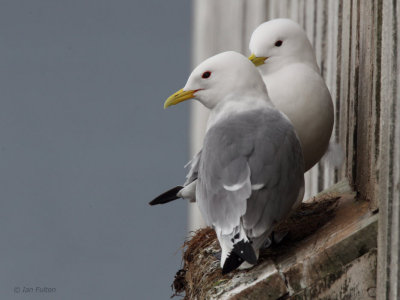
(286, 60)
(250, 170)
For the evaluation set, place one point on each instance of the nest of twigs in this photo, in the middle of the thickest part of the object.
(201, 270)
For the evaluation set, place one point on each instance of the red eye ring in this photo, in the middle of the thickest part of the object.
(206, 74)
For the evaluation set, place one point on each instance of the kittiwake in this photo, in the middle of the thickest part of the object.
(250, 172)
(286, 60)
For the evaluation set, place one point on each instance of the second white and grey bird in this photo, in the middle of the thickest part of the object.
(286, 60)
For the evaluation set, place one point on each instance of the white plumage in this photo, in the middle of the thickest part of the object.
(289, 69)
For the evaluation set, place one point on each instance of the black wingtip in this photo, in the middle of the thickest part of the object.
(242, 251)
(245, 251)
(232, 262)
(166, 197)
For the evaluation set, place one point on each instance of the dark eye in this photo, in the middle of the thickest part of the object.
(278, 43)
(206, 74)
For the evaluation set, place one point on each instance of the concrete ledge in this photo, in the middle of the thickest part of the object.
(330, 253)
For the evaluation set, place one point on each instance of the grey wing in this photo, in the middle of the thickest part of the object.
(189, 187)
(280, 180)
(223, 183)
(254, 151)
(194, 168)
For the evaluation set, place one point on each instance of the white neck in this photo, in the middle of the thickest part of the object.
(274, 64)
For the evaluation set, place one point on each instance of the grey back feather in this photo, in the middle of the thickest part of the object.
(257, 147)
(194, 168)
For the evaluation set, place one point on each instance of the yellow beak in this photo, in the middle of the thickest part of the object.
(179, 96)
(257, 61)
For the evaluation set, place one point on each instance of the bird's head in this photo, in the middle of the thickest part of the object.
(278, 42)
(218, 77)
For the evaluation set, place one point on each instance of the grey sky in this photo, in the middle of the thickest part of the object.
(85, 144)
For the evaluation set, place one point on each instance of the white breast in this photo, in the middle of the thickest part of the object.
(300, 92)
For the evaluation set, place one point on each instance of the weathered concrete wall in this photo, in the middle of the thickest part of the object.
(387, 154)
(357, 48)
